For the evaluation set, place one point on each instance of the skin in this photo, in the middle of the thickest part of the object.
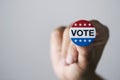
(71, 62)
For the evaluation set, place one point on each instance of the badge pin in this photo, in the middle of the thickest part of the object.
(82, 33)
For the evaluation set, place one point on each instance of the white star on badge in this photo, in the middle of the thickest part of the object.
(84, 24)
(80, 40)
(80, 24)
(75, 24)
(75, 40)
(89, 40)
(89, 24)
(84, 40)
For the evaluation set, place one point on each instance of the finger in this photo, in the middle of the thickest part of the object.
(102, 33)
(56, 42)
(83, 56)
(66, 42)
(99, 43)
(72, 54)
(56, 38)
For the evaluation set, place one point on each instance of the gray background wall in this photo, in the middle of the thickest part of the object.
(25, 27)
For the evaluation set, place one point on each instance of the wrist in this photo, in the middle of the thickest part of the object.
(88, 76)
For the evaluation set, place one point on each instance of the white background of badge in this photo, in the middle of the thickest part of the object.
(25, 27)
(83, 36)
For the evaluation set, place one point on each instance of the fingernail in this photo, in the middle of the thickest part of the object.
(69, 59)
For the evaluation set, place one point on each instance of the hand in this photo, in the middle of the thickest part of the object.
(71, 62)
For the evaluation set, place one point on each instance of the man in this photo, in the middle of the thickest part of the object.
(71, 62)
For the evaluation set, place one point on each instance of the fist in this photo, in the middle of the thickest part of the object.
(71, 62)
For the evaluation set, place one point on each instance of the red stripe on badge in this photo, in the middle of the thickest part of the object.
(82, 23)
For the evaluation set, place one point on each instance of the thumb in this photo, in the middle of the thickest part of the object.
(72, 54)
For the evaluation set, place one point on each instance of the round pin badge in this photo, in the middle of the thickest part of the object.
(82, 33)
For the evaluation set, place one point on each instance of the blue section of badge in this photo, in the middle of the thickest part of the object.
(82, 41)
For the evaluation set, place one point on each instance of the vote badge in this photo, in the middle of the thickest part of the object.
(82, 33)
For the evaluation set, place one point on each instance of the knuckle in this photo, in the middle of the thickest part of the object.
(66, 31)
(57, 32)
(94, 21)
(106, 31)
(100, 28)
